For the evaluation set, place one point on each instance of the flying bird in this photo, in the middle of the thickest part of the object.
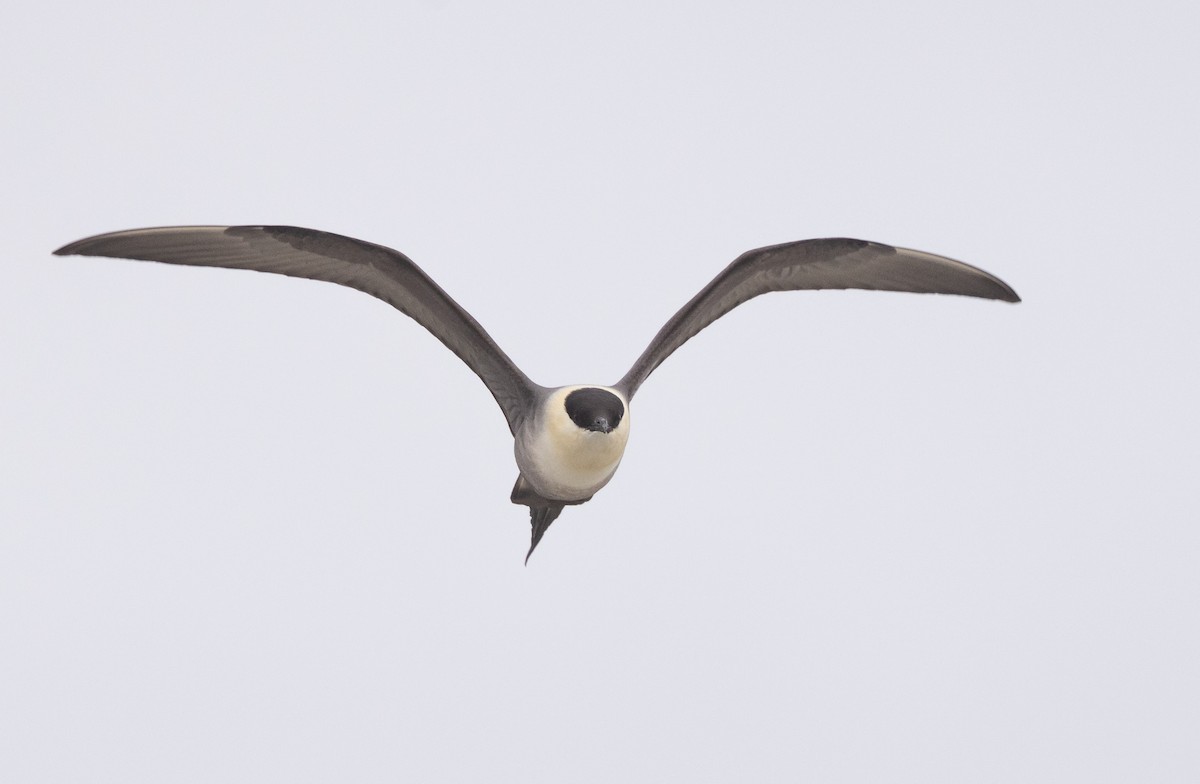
(568, 440)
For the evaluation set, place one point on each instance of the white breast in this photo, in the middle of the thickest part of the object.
(563, 461)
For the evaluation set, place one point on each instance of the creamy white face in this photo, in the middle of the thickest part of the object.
(563, 460)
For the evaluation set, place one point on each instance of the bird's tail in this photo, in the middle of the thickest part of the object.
(540, 517)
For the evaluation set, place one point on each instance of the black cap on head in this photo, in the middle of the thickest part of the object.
(595, 409)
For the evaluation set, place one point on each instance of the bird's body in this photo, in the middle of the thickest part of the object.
(568, 441)
(562, 461)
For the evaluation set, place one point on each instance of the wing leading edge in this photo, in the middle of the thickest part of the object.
(813, 264)
(317, 255)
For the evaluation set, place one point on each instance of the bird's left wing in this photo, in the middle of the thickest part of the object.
(318, 255)
(813, 264)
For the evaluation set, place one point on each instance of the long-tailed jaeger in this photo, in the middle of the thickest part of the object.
(568, 440)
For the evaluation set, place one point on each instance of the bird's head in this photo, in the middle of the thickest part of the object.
(595, 410)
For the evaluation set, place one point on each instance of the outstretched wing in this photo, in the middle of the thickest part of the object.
(813, 264)
(318, 255)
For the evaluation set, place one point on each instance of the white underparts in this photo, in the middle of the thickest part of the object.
(563, 461)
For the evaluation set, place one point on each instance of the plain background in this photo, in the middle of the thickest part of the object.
(257, 529)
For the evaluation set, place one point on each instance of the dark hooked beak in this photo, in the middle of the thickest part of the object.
(601, 426)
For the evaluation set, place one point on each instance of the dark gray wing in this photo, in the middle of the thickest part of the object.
(305, 253)
(813, 264)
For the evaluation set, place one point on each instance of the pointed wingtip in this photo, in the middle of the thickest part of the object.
(79, 247)
(994, 288)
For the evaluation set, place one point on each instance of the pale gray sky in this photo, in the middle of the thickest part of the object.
(257, 529)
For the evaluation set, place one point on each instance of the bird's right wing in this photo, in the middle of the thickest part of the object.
(307, 253)
(813, 264)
